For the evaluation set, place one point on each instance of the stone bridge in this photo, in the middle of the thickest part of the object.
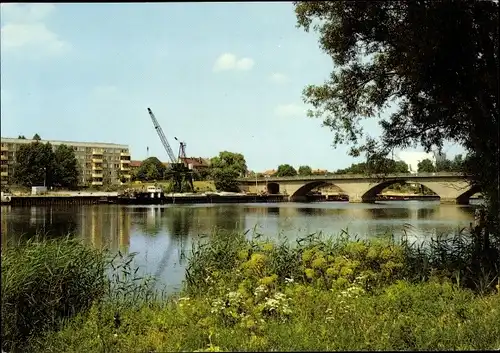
(450, 187)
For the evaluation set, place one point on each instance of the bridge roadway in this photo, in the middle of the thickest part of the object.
(452, 188)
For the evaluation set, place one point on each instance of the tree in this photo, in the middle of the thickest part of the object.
(286, 170)
(377, 164)
(225, 179)
(444, 165)
(458, 163)
(426, 166)
(151, 169)
(305, 170)
(436, 61)
(226, 168)
(234, 161)
(66, 171)
(21, 137)
(36, 137)
(34, 165)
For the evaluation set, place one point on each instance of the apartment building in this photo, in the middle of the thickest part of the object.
(100, 163)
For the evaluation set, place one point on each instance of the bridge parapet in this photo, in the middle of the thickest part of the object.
(355, 176)
(450, 187)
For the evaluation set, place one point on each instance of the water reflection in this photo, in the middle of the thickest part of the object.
(163, 235)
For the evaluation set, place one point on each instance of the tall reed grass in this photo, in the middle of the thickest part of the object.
(47, 281)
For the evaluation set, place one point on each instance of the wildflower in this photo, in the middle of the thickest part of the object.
(260, 290)
(288, 280)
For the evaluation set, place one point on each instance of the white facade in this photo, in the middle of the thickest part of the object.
(413, 158)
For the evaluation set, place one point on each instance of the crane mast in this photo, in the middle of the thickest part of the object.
(163, 139)
(178, 170)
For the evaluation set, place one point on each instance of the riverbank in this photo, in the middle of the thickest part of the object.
(253, 295)
(92, 198)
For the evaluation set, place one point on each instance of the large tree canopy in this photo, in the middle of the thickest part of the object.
(435, 62)
(151, 169)
(286, 170)
(66, 170)
(38, 164)
(34, 165)
(226, 168)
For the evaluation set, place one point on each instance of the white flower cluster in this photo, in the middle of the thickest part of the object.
(353, 291)
(329, 317)
(260, 290)
(232, 299)
(278, 304)
(183, 301)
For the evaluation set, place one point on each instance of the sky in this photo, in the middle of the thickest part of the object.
(219, 76)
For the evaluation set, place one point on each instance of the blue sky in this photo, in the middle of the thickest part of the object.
(221, 76)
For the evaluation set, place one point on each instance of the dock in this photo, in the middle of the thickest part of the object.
(140, 198)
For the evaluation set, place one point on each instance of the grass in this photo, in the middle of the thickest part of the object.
(47, 281)
(317, 294)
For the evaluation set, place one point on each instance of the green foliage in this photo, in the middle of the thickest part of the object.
(226, 168)
(151, 169)
(34, 165)
(252, 295)
(65, 167)
(38, 164)
(44, 282)
(305, 170)
(447, 91)
(21, 137)
(36, 137)
(426, 166)
(286, 170)
(376, 165)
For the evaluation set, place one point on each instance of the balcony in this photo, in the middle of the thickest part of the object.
(4, 157)
(4, 148)
(97, 183)
(97, 160)
(125, 154)
(4, 174)
(97, 167)
(126, 176)
(124, 168)
(97, 151)
(97, 175)
(125, 161)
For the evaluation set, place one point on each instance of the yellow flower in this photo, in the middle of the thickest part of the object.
(309, 273)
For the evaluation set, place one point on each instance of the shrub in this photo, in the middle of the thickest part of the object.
(44, 282)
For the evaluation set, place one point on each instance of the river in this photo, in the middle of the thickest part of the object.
(162, 235)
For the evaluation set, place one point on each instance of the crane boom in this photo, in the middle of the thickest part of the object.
(163, 139)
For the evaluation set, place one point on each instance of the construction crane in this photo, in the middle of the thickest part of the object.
(178, 170)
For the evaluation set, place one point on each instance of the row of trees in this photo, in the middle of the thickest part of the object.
(39, 163)
(224, 170)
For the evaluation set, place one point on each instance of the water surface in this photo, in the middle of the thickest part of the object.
(163, 235)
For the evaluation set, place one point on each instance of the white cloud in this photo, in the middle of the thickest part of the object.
(25, 28)
(279, 78)
(290, 110)
(228, 61)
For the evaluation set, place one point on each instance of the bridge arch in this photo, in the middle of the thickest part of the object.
(464, 198)
(301, 192)
(273, 188)
(371, 194)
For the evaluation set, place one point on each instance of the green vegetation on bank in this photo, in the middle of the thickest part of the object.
(39, 163)
(240, 294)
